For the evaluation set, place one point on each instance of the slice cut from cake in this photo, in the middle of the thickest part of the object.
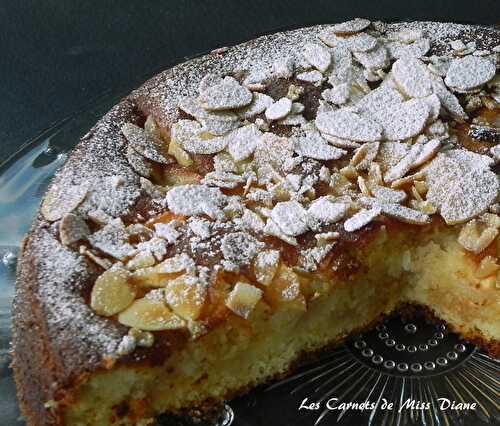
(258, 204)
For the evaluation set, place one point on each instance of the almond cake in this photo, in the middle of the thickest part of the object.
(257, 204)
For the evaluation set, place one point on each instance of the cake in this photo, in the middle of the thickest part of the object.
(258, 204)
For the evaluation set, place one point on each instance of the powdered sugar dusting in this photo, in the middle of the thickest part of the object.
(263, 169)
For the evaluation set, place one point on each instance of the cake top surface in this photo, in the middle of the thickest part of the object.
(247, 169)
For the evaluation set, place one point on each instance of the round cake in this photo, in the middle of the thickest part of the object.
(258, 204)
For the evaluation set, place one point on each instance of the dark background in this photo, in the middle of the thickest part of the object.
(58, 56)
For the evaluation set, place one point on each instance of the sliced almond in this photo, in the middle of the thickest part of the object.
(375, 174)
(402, 213)
(491, 220)
(364, 156)
(407, 180)
(387, 194)
(349, 172)
(112, 292)
(102, 262)
(345, 124)
(412, 76)
(141, 260)
(423, 206)
(469, 72)
(60, 201)
(146, 144)
(72, 228)
(361, 218)
(279, 109)
(340, 143)
(149, 278)
(139, 163)
(150, 315)
(350, 27)
(226, 94)
(473, 239)
(363, 187)
(243, 298)
(151, 127)
(318, 56)
(460, 192)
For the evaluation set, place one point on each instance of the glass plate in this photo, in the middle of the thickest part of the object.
(403, 372)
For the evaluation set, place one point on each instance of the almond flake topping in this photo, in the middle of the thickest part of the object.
(325, 211)
(382, 98)
(353, 26)
(412, 76)
(72, 228)
(112, 239)
(417, 49)
(403, 120)
(279, 109)
(189, 135)
(387, 194)
(339, 142)
(145, 144)
(291, 217)
(172, 265)
(312, 145)
(364, 156)
(342, 68)
(112, 292)
(318, 56)
(228, 94)
(191, 200)
(167, 231)
(448, 100)
(348, 125)
(360, 42)
(374, 59)
(59, 201)
(460, 193)
(310, 76)
(218, 127)
(274, 230)
(338, 95)
(192, 106)
(402, 213)
(469, 72)
(232, 145)
(150, 315)
(186, 295)
(361, 218)
(239, 248)
(404, 165)
(242, 142)
(434, 105)
(427, 152)
(139, 163)
(258, 105)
